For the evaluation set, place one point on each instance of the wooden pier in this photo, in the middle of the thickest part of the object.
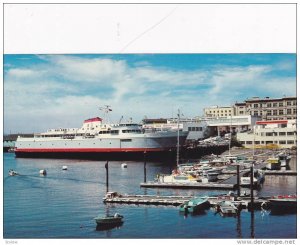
(198, 185)
(147, 199)
(280, 172)
(244, 202)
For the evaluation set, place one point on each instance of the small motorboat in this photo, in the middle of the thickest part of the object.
(273, 163)
(258, 178)
(64, 167)
(283, 202)
(12, 172)
(43, 172)
(124, 165)
(109, 220)
(194, 205)
(226, 208)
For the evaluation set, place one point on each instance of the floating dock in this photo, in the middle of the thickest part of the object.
(178, 200)
(280, 172)
(147, 199)
(198, 185)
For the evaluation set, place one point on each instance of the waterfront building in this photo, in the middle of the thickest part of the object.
(216, 111)
(268, 108)
(233, 124)
(275, 133)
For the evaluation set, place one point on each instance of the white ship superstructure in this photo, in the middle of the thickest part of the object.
(95, 138)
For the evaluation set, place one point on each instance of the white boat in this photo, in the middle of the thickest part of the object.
(124, 165)
(226, 208)
(273, 163)
(99, 140)
(283, 159)
(43, 172)
(210, 176)
(258, 178)
(12, 172)
(179, 178)
(64, 167)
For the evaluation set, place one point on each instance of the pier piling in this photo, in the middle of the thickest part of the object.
(106, 167)
(238, 179)
(251, 188)
(145, 173)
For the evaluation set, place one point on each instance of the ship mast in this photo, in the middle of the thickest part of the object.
(177, 153)
(106, 109)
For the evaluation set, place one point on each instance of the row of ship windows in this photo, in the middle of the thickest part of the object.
(281, 142)
(195, 129)
(100, 132)
(121, 140)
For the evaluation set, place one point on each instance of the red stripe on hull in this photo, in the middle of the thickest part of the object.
(92, 150)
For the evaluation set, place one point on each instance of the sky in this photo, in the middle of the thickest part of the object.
(61, 91)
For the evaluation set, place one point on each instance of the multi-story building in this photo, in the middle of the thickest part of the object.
(268, 109)
(216, 111)
(282, 133)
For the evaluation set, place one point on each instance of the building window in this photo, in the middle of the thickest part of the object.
(241, 112)
(294, 111)
(249, 142)
(290, 133)
(282, 142)
(295, 102)
(257, 142)
(274, 104)
(288, 103)
(282, 134)
(255, 105)
(275, 112)
(269, 113)
(269, 105)
(289, 111)
(281, 104)
(290, 142)
(280, 112)
(255, 113)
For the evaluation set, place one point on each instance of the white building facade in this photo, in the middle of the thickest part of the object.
(279, 133)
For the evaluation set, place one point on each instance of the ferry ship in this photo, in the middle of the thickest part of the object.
(98, 140)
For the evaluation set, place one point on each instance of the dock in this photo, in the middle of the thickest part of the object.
(191, 185)
(147, 199)
(178, 200)
(280, 172)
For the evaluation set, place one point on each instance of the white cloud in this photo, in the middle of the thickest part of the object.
(64, 90)
(16, 72)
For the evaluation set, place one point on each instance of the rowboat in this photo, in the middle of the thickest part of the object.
(226, 208)
(194, 205)
(109, 219)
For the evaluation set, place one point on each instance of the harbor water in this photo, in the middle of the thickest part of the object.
(63, 204)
